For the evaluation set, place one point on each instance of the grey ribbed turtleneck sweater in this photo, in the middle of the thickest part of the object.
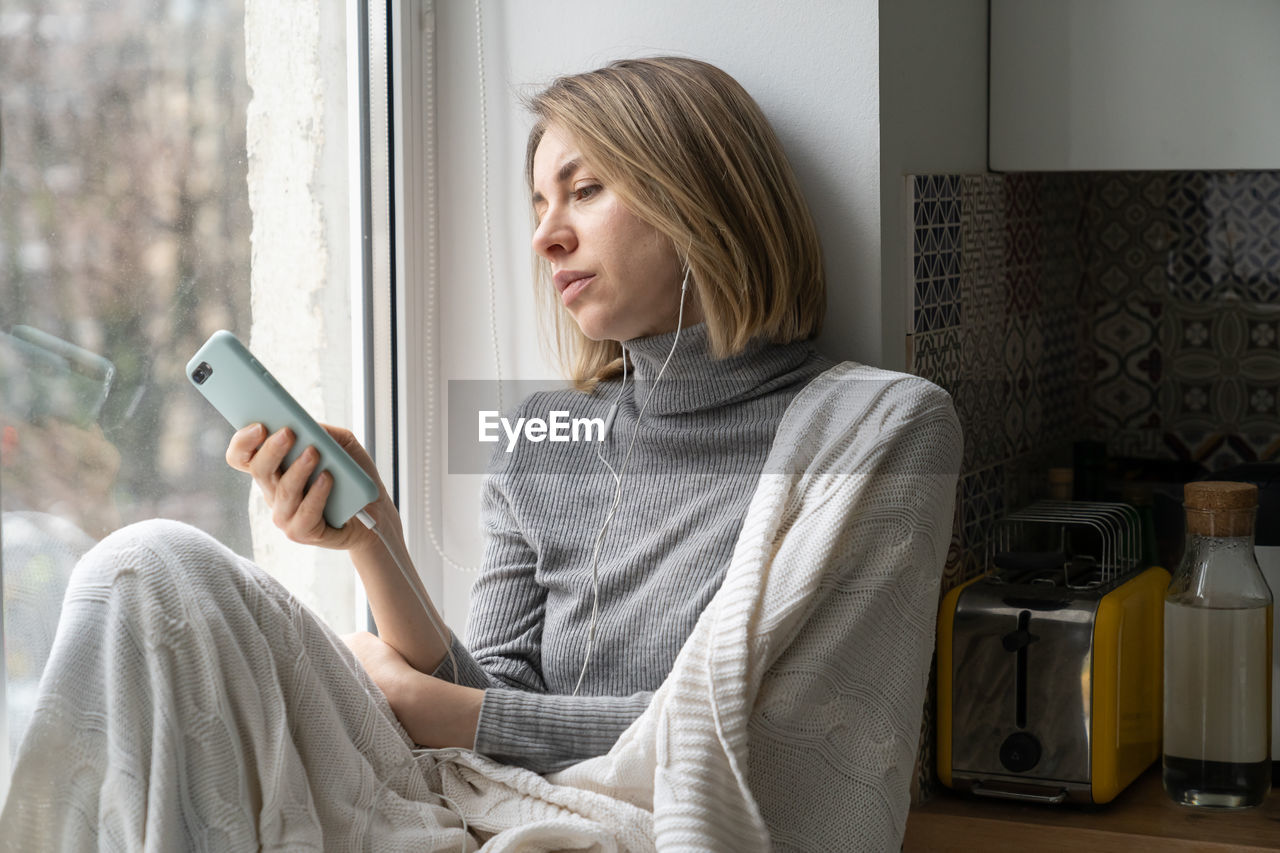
(701, 448)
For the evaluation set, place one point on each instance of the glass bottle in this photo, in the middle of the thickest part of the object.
(1217, 656)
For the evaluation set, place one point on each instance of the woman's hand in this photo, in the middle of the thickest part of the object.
(407, 632)
(435, 713)
(296, 509)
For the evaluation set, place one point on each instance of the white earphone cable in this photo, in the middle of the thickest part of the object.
(617, 476)
(415, 584)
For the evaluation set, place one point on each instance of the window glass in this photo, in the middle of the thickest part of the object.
(125, 224)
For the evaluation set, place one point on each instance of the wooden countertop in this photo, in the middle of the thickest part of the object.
(1142, 818)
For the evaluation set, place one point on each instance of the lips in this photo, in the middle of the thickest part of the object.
(569, 283)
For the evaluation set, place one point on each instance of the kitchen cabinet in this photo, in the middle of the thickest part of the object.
(1134, 85)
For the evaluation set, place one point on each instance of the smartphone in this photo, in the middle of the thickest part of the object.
(245, 392)
(42, 376)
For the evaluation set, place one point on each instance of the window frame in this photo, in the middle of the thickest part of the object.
(415, 404)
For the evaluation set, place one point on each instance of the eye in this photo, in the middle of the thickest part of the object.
(586, 191)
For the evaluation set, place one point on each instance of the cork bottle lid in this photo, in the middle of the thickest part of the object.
(1220, 494)
(1219, 508)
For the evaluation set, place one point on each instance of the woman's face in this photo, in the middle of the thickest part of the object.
(617, 275)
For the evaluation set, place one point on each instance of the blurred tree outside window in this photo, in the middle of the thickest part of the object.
(168, 168)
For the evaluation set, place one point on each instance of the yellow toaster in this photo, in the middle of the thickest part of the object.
(1050, 666)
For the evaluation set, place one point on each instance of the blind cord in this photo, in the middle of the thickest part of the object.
(484, 202)
(491, 281)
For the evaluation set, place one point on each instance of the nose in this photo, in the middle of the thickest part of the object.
(554, 236)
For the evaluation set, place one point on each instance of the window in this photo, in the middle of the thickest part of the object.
(167, 169)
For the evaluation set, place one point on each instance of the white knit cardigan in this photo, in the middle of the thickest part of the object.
(790, 721)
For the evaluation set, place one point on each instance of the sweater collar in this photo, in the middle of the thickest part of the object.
(695, 380)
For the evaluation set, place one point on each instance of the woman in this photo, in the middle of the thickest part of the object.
(640, 174)
(685, 282)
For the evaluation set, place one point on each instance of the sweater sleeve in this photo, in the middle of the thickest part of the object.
(520, 722)
(546, 732)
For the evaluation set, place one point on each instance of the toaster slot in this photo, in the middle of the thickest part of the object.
(1019, 567)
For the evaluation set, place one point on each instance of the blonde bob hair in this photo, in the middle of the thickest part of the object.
(689, 152)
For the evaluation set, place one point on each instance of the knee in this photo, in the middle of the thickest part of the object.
(148, 547)
(153, 530)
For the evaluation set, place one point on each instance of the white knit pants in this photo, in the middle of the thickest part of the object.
(190, 703)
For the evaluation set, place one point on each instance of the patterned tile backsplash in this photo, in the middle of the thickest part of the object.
(1137, 309)
(996, 323)
(1183, 284)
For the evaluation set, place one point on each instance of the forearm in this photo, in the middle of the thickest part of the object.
(436, 713)
(540, 731)
(396, 608)
(547, 732)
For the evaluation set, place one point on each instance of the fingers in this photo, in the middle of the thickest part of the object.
(298, 508)
(296, 500)
(268, 461)
(243, 445)
(307, 524)
(291, 485)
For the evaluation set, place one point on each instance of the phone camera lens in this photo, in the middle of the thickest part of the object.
(202, 372)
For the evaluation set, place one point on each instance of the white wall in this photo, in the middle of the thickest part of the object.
(813, 67)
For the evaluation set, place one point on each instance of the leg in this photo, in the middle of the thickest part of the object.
(191, 703)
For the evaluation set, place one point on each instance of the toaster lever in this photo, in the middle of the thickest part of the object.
(1018, 639)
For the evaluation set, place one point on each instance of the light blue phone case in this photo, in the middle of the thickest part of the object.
(245, 392)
